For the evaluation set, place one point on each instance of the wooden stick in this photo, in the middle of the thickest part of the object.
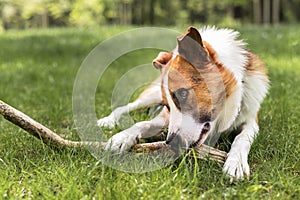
(34, 128)
(50, 138)
(203, 151)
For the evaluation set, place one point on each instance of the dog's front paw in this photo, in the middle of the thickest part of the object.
(108, 122)
(236, 166)
(121, 142)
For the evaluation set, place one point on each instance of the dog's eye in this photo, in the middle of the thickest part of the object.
(180, 96)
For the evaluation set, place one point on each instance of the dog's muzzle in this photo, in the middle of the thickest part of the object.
(179, 144)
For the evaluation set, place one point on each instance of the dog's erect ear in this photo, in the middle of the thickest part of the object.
(190, 46)
(162, 59)
(193, 33)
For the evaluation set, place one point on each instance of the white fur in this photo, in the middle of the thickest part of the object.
(232, 54)
(236, 164)
(125, 139)
(242, 106)
(230, 51)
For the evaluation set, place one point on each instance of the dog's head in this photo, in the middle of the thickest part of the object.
(192, 89)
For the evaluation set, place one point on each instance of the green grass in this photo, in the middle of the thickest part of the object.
(37, 72)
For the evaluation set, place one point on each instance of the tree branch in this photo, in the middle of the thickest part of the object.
(50, 138)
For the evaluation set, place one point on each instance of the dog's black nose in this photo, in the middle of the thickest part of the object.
(170, 137)
(177, 143)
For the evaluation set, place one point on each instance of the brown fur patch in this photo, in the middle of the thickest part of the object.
(255, 65)
(183, 75)
(227, 76)
(162, 59)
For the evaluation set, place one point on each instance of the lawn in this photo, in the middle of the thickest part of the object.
(38, 69)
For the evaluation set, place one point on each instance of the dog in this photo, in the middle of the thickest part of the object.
(210, 84)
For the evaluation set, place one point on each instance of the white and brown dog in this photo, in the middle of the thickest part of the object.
(209, 84)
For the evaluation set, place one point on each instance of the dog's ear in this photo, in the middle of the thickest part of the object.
(190, 46)
(162, 59)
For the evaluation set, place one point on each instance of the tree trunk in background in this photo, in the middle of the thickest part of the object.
(152, 12)
(45, 19)
(266, 13)
(137, 11)
(257, 11)
(123, 12)
(275, 11)
(206, 11)
(143, 17)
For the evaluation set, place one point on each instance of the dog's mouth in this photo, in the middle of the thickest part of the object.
(179, 144)
(203, 135)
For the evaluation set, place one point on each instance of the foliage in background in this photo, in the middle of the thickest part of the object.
(44, 13)
(86, 13)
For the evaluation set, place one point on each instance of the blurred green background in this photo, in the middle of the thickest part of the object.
(81, 13)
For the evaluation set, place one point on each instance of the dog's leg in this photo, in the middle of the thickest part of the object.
(125, 139)
(236, 164)
(151, 95)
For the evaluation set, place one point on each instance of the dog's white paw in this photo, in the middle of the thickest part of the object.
(108, 122)
(121, 142)
(236, 166)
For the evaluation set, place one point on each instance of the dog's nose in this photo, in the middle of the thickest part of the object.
(170, 137)
(176, 142)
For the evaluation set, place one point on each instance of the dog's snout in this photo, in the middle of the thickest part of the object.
(170, 137)
(176, 142)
